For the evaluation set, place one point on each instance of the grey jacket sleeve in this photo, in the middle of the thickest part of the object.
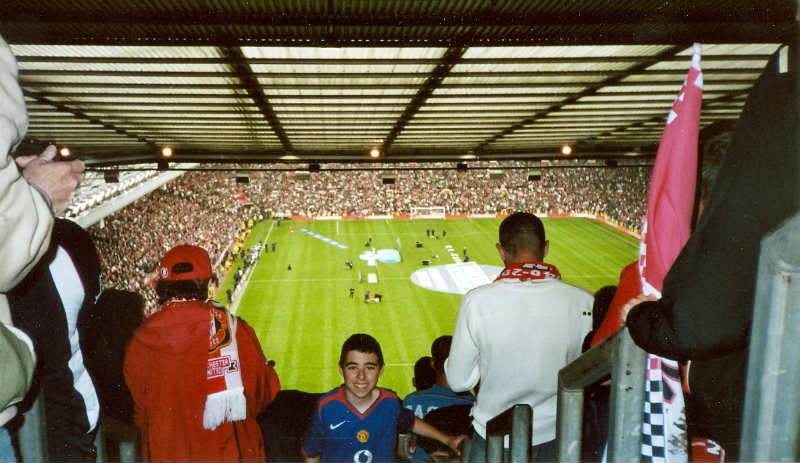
(25, 217)
(26, 223)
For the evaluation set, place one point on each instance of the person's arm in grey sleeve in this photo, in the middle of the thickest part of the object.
(30, 189)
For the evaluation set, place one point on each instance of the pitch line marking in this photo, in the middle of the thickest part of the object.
(243, 287)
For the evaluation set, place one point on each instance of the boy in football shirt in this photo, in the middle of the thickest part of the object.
(359, 421)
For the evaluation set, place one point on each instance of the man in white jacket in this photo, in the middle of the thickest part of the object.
(514, 334)
(32, 189)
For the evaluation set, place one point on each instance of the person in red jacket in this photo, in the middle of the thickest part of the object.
(196, 372)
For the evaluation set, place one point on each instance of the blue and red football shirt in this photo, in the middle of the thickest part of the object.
(340, 433)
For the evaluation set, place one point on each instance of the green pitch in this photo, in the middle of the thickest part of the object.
(303, 315)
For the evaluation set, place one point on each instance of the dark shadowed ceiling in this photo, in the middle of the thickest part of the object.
(327, 81)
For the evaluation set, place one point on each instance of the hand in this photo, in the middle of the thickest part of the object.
(57, 179)
(454, 442)
(633, 303)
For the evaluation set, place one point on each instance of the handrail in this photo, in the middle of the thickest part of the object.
(33, 437)
(33, 433)
(771, 422)
(619, 356)
(516, 422)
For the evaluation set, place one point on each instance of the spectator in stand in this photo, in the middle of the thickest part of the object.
(706, 307)
(424, 375)
(196, 372)
(27, 204)
(51, 305)
(596, 396)
(359, 421)
(439, 396)
(515, 334)
(109, 327)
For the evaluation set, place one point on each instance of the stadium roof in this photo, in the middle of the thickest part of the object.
(328, 81)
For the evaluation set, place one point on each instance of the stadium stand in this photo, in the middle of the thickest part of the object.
(207, 208)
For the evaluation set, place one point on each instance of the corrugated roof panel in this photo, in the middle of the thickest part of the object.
(533, 80)
(196, 100)
(575, 51)
(333, 92)
(134, 81)
(555, 88)
(115, 51)
(707, 76)
(477, 98)
(709, 49)
(341, 81)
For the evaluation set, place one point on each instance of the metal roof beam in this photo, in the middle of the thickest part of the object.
(660, 118)
(364, 75)
(638, 59)
(449, 59)
(346, 87)
(239, 63)
(573, 100)
(366, 98)
(82, 115)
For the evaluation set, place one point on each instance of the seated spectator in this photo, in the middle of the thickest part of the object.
(196, 373)
(285, 423)
(596, 396)
(359, 421)
(50, 305)
(439, 395)
(109, 327)
(602, 301)
(424, 376)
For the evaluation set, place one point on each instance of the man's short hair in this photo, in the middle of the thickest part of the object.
(522, 231)
(364, 343)
(440, 350)
(190, 290)
(424, 375)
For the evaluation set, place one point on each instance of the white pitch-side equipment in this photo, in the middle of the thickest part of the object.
(432, 212)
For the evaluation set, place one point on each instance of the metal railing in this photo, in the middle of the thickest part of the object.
(33, 438)
(771, 419)
(515, 422)
(620, 357)
(33, 434)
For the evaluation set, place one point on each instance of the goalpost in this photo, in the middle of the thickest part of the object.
(431, 212)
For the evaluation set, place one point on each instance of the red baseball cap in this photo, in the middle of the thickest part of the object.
(185, 262)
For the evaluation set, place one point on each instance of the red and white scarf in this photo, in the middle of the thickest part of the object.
(225, 400)
(529, 271)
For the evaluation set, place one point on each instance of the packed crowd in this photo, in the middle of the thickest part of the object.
(195, 208)
(620, 193)
(207, 208)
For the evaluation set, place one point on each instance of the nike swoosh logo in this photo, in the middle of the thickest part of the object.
(334, 426)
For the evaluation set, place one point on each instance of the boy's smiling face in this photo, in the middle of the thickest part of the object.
(361, 372)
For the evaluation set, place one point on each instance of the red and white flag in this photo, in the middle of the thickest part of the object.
(672, 185)
(667, 228)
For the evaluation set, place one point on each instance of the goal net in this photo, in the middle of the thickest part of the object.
(432, 212)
